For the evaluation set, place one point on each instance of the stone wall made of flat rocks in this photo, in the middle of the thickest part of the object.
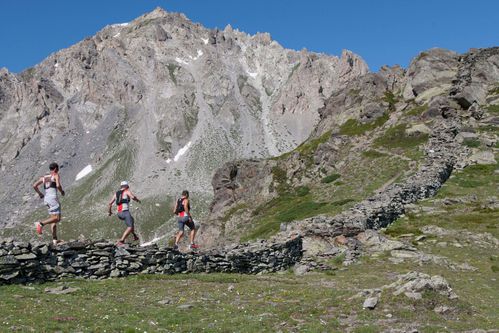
(381, 209)
(22, 262)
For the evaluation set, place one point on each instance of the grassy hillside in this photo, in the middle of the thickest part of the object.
(316, 302)
(371, 157)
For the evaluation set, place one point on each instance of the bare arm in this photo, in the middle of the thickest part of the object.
(37, 190)
(186, 207)
(175, 208)
(110, 204)
(134, 198)
(58, 184)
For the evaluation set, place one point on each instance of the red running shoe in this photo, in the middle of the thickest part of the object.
(38, 226)
(194, 246)
(120, 243)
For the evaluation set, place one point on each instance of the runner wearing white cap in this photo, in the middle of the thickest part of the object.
(122, 199)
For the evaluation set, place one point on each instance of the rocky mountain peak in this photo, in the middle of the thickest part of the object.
(162, 102)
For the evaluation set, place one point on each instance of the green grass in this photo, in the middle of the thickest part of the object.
(331, 178)
(471, 142)
(396, 137)
(391, 99)
(302, 191)
(118, 134)
(399, 227)
(172, 68)
(306, 149)
(310, 146)
(417, 110)
(480, 180)
(372, 154)
(286, 208)
(353, 127)
(256, 304)
(190, 115)
(367, 329)
(489, 128)
(280, 180)
(494, 91)
(359, 178)
(493, 108)
(316, 302)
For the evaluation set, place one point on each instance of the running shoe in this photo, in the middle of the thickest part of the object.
(194, 246)
(120, 243)
(38, 226)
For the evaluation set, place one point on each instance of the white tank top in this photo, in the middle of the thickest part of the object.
(50, 186)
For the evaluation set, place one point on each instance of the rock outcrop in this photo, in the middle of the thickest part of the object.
(431, 90)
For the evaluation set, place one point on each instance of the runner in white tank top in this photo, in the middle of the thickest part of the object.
(51, 184)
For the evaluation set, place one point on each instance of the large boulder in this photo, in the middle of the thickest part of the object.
(431, 73)
(478, 73)
(483, 157)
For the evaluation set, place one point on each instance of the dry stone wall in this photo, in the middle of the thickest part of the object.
(381, 209)
(22, 262)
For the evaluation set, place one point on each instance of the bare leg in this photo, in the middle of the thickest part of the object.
(52, 219)
(54, 231)
(192, 235)
(125, 234)
(179, 236)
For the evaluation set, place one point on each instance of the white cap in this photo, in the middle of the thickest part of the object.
(124, 183)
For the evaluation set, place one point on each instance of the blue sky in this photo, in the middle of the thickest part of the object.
(381, 31)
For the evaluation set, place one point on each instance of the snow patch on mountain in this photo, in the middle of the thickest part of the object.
(84, 172)
(182, 151)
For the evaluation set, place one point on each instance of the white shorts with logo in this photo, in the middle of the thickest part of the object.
(54, 207)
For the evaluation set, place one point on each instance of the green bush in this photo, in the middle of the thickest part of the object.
(280, 177)
(390, 99)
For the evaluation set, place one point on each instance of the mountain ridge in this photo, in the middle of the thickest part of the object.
(142, 92)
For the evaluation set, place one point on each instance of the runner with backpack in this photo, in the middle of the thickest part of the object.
(122, 199)
(184, 218)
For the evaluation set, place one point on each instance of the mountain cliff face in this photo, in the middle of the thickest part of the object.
(384, 141)
(160, 101)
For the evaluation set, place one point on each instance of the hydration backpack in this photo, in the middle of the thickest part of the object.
(119, 198)
(180, 206)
